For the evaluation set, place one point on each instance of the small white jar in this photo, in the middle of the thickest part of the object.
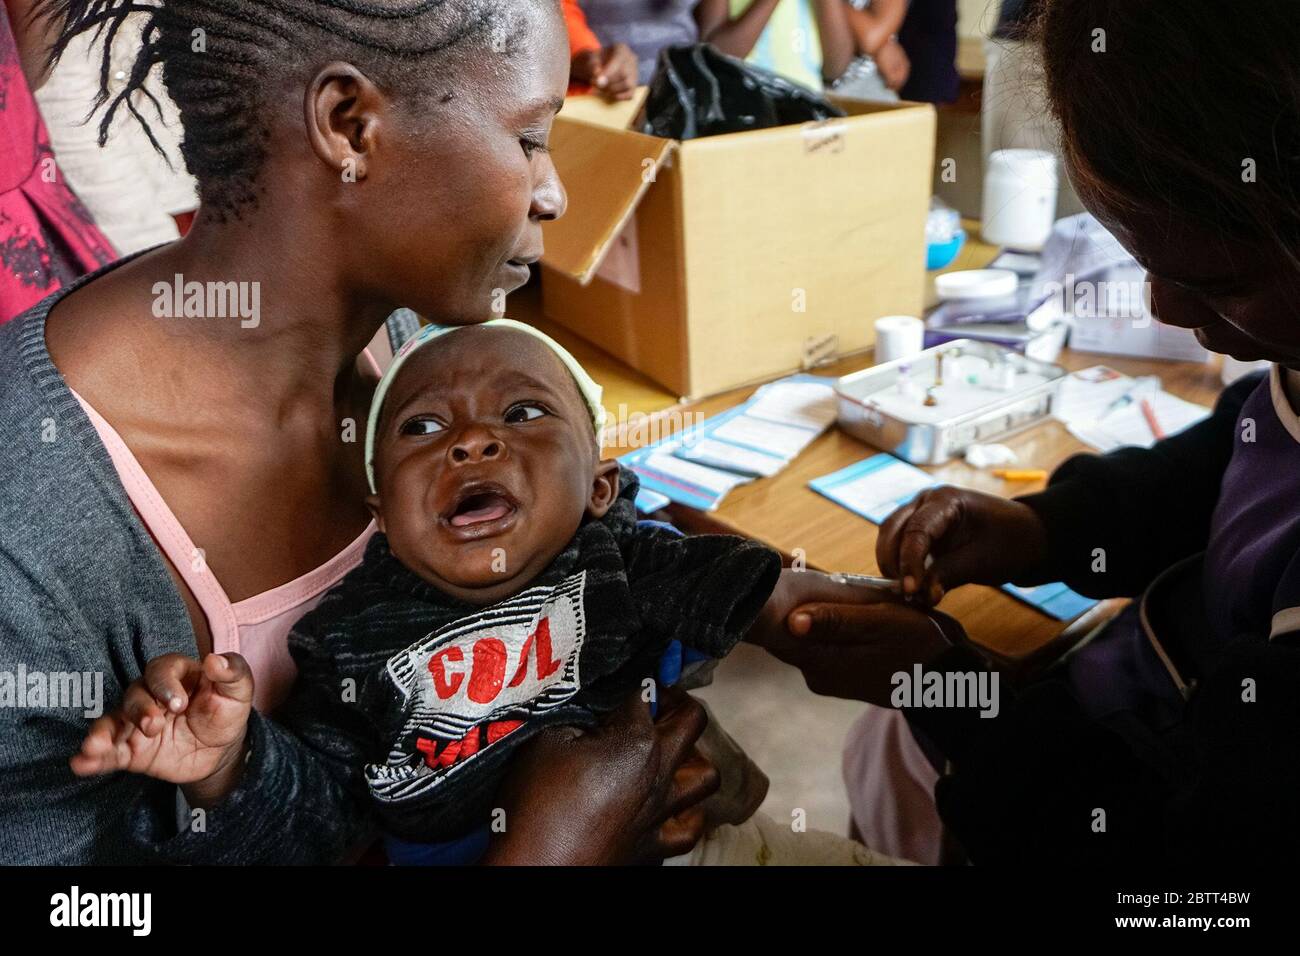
(1020, 188)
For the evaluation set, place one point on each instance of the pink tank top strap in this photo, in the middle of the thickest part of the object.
(274, 603)
(172, 539)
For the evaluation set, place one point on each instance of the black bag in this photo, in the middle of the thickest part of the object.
(697, 91)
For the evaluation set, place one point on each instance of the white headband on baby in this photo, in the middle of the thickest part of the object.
(591, 392)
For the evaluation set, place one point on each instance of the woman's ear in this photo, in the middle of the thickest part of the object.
(343, 109)
(376, 512)
(604, 489)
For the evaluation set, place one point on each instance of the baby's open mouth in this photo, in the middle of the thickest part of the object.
(480, 506)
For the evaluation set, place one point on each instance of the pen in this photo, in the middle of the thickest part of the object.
(1153, 423)
(1022, 474)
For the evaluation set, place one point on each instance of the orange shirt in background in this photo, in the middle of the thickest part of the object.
(581, 38)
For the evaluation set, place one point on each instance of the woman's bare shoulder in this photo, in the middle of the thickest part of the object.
(94, 334)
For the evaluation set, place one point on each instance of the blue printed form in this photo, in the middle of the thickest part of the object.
(1054, 600)
(874, 488)
(648, 502)
(685, 482)
(757, 439)
(879, 486)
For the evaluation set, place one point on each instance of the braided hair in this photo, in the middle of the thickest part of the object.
(223, 62)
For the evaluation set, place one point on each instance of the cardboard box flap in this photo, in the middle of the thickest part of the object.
(614, 168)
(602, 111)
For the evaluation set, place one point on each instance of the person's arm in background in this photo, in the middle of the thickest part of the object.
(838, 45)
(875, 26)
(34, 33)
(875, 31)
(581, 37)
(612, 70)
(735, 37)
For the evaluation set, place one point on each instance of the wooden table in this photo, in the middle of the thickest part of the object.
(785, 513)
(788, 515)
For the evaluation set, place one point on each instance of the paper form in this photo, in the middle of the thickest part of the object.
(1129, 426)
(802, 404)
(719, 454)
(1085, 395)
(755, 439)
(874, 488)
(710, 479)
(648, 502)
(685, 482)
(1086, 405)
(1054, 600)
(783, 441)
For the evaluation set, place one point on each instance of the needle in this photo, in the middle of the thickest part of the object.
(869, 581)
(1144, 384)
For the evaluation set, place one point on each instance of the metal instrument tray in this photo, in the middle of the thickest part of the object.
(872, 408)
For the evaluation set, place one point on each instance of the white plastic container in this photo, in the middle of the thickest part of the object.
(975, 284)
(1020, 188)
(898, 337)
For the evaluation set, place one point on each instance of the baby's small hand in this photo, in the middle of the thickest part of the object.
(183, 722)
(795, 589)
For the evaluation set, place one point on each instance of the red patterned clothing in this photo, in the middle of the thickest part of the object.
(47, 238)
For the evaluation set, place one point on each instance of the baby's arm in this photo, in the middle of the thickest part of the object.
(282, 791)
(184, 721)
(710, 591)
(703, 590)
(796, 588)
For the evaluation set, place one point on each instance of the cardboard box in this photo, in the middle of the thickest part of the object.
(716, 262)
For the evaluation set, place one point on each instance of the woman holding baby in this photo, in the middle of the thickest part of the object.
(175, 487)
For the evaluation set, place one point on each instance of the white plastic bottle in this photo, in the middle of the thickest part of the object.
(1020, 188)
